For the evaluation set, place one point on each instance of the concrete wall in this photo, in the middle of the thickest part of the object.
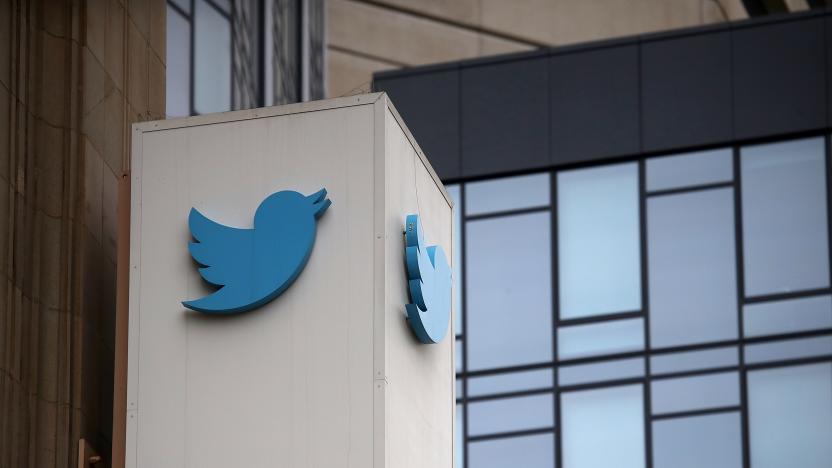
(366, 36)
(73, 76)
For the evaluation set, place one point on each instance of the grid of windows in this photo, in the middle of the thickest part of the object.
(237, 54)
(673, 311)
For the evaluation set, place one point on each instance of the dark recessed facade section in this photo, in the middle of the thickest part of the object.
(429, 104)
(686, 91)
(505, 117)
(594, 104)
(829, 70)
(779, 74)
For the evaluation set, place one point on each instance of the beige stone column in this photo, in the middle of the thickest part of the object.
(73, 75)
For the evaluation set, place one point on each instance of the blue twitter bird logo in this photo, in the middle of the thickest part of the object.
(429, 280)
(254, 266)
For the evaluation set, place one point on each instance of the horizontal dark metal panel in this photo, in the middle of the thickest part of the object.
(594, 104)
(779, 78)
(505, 117)
(686, 91)
(429, 105)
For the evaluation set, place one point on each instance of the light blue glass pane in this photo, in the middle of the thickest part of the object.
(598, 242)
(692, 268)
(510, 414)
(510, 382)
(454, 192)
(509, 318)
(212, 60)
(694, 360)
(508, 193)
(601, 371)
(784, 217)
(712, 441)
(459, 441)
(603, 428)
(693, 393)
(790, 416)
(616, 336)
(684, 170)
(459, 356)
(183, 4)
(225, 5)
(178, 72)
(460, 391)
(535, 451)
(788, 349)
(793, 315)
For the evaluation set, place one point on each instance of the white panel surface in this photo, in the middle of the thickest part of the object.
(298, 381)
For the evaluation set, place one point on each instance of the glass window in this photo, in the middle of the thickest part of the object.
(793, 315)
(459, 439)
(694, 360)
(598, 241)
(790, 416)
(615, 336)
(454, 192)
(712, 441)
(692, 267)
(603, 428)
(460, 390)
(536, 451)
(788, 349)
(178, 80)
(685, 170)
(510, 414)
(185, 5)
(460, 355)
(601, 371)
(509, 309)
(784, 217)
(510, 382)
(508, 193)
(693, 393)
(212, 60)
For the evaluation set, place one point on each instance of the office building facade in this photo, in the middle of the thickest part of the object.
(644, 250)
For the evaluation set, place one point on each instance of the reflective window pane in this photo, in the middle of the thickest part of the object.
(459, 356)
(784, 217)
(692, 268)
(598, 240)
(788, 349)
(510, 414)
(612, 418)
(793, 315)
(685, 170)
(601, 371)
(790, 416)
(510, 382)
(212, 60)
(712, 441)
(454, 192)
(459, 440)
(508, 193)
(616, 336)
(693, 393)
(536, 451)
(178, 79)
(694, 360)
(509, 308)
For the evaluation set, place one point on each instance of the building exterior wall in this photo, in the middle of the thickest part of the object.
(654, 213)
(367, 36)
(73, 76)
